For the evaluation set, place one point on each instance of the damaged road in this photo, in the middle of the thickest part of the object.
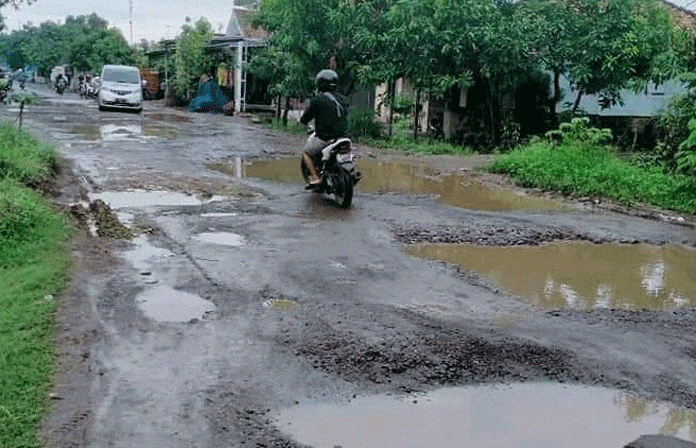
(205, 303)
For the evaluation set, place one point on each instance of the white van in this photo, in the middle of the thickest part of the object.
(121, 88)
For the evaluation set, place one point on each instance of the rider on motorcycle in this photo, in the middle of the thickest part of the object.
(329, 110)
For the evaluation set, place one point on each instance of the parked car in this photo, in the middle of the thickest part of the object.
(121, 88)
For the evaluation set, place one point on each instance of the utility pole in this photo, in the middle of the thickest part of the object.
(131, 21)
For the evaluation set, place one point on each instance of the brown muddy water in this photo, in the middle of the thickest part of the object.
(580, 275)
(530, 415)
(461, 190)
(113, 132)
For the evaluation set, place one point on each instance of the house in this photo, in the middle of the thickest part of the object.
(458, 115)
(234, 47)
(630, 120)
(240, 40)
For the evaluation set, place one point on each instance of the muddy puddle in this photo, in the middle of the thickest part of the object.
(143, 254)
(221, 238)
(123, 132)
(461, 190)
(148, 198)
(580, 275)
(166, 304)
(533, 415)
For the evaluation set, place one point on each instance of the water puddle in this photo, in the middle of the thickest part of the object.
(144, 254)
(114, 132)
(281, 304)
(165, 304)
(146, 198)
(221, 238)
(532, 415)
(581, 275)
(168, 117)
(461, 190)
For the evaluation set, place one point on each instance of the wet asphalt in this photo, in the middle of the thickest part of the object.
(243, 297)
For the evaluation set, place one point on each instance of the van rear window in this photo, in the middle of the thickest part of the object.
(121, 75)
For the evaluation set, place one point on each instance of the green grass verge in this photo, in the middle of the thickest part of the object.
(578, 169)
(34, 268)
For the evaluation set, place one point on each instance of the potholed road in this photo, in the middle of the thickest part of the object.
(241, 299)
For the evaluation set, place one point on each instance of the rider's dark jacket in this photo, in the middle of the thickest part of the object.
(330, 113)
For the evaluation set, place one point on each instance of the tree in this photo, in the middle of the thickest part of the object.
(190, 60)
(84, 42)
(601, 46)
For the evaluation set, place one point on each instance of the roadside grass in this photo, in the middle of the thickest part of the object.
(582, 169)
(401, 139)
(34, 268)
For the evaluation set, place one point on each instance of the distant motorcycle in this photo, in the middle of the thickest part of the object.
(336, 168)
(60, 85)
(5, 87)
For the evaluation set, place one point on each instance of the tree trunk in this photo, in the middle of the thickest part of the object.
(286, 111)
(491, 112)
(278, 106)
(577, 101)
(391, 87)
(556, 97)
(416, 115)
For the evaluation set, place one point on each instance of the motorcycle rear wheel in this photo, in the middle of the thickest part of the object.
(343, 190)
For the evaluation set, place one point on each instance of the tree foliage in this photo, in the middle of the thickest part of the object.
(191, 61)
(84, 42)
(492, 46)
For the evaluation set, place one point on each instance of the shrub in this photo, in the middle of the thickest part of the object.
(363, 124)
(579, 130)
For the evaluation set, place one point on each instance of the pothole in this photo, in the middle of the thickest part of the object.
(459, 189)
(221, 238)
(166, 304)
(530, 415)
(149, 198)
(580, 275)
(143, 254)
(118, 132)
(281, 304)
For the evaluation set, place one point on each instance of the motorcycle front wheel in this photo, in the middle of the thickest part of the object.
(343, 189)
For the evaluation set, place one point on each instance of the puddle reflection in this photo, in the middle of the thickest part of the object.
(165, 304)
(114, 132)
(147, 198)
(532, 415)
(580, 275)
(404, 177)
(221, 238)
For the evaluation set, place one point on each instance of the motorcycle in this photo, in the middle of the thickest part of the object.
(5, 88)
(336, 168)
(60, 86)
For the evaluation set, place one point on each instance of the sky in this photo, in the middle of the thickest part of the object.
(152, 19)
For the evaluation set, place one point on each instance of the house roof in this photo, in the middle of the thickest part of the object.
(241, 26)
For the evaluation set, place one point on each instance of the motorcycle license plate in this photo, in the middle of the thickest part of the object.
(344, 158)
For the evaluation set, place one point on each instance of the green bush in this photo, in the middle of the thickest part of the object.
(579, 130)
(34, 267)
(585, 169)
(363, 124)
(24, 158)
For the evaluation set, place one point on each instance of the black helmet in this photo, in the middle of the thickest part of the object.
(326, 80)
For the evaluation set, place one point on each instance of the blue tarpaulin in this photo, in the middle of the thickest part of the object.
(210, 98)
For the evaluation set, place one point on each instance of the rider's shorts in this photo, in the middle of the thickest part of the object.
(314, 146)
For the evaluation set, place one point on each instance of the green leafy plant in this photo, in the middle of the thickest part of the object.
(363, 124)
(24, 99)
(579, 130)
